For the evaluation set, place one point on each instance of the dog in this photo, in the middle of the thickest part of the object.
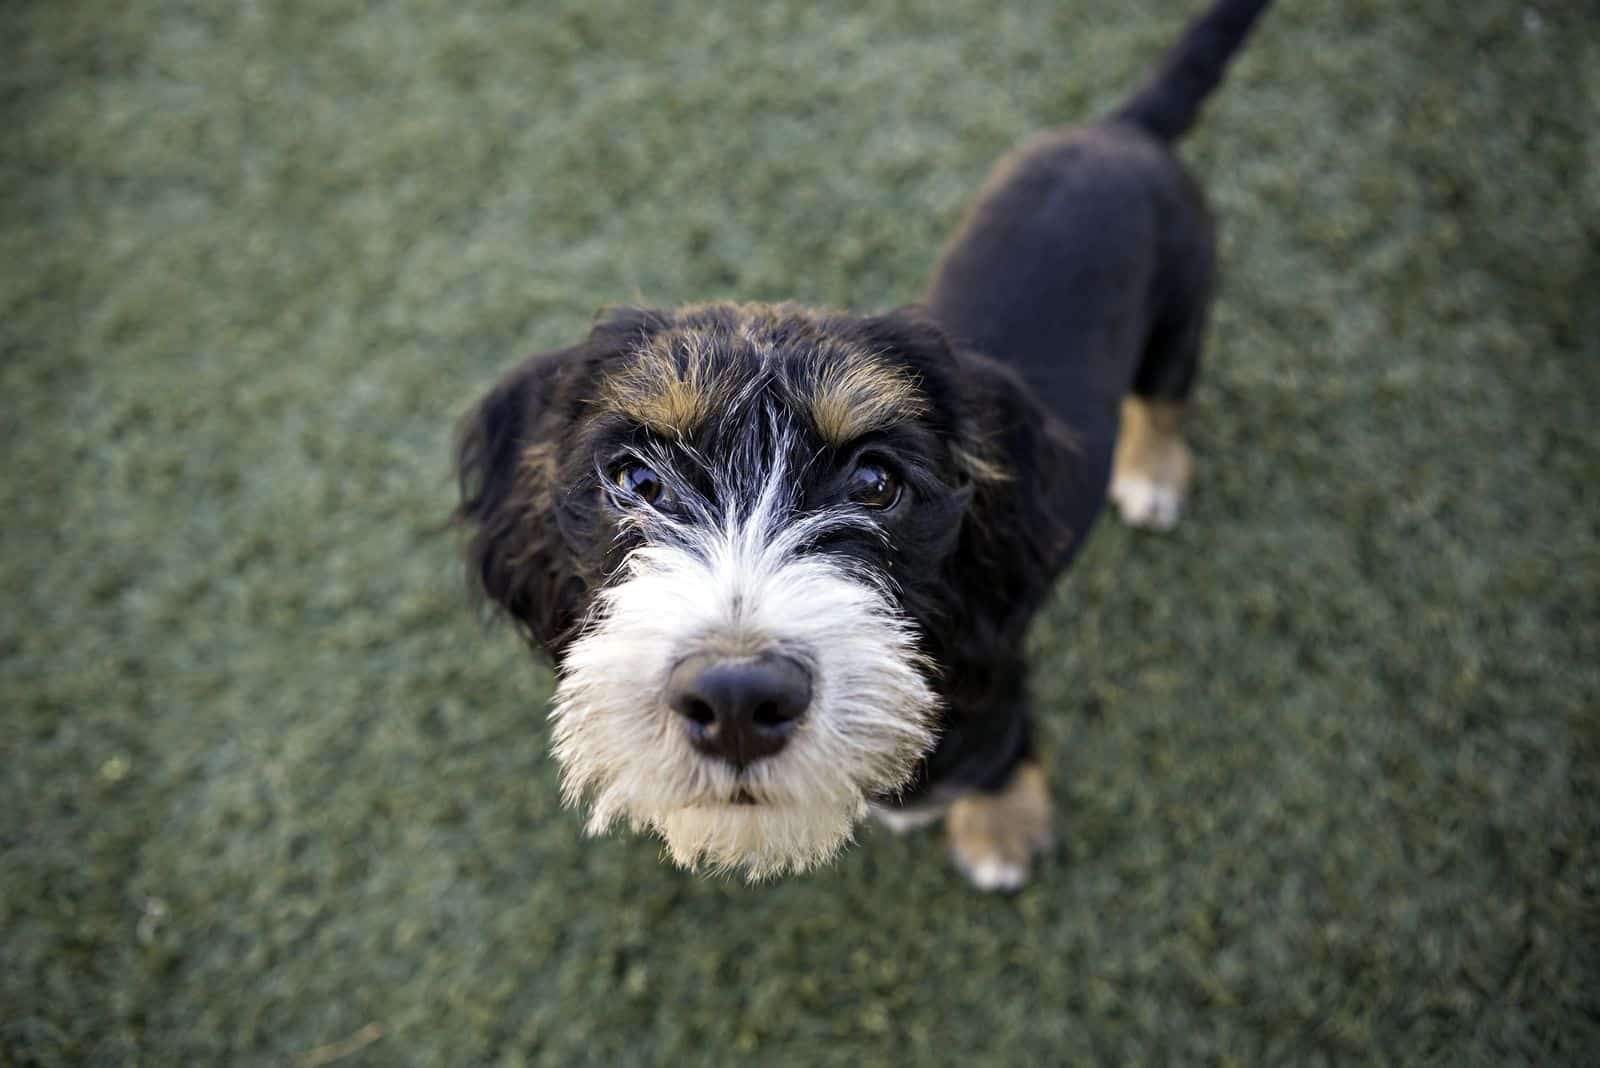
(784, 559)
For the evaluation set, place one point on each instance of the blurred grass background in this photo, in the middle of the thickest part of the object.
(1327, 758)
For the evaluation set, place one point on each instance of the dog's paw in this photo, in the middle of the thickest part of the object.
(1147, 504)
(1151, 469)
(994, 874)
(995, 836)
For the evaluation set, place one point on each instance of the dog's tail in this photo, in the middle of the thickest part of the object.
(1166, 105)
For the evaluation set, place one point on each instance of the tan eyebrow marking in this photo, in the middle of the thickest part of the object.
(858, 394)
(676, 381)
(669, 387)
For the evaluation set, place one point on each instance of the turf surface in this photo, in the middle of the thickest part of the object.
(1327, 758)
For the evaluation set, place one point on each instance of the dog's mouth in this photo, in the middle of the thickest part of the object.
(739, 798)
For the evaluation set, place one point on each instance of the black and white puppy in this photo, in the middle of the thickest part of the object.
(784, 559)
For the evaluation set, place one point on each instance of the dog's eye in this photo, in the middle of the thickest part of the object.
(640, 481)
(872, 486)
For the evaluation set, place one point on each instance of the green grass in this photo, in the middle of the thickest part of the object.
(1327, 759)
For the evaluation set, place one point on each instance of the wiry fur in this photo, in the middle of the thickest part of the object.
(909, 620)
(736, 581)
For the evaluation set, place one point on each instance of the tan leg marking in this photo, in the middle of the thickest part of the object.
(1152, 468)
(994, 836)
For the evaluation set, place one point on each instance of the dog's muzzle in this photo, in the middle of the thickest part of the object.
(740, 693)
(739, 709)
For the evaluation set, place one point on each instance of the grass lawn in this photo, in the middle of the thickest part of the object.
(1327, 759)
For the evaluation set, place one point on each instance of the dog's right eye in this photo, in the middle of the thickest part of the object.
(873, 486)
(640, 481)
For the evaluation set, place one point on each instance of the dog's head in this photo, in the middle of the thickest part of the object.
(757, 541)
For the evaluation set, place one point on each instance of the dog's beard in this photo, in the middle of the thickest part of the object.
(742, 586)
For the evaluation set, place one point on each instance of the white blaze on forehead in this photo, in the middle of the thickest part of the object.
(742, 583)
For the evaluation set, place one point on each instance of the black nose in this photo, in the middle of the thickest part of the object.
(739, 708)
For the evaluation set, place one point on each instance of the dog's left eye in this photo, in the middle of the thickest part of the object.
(640, 481)
(873, 486)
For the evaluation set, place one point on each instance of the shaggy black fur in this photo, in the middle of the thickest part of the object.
(1084, 271)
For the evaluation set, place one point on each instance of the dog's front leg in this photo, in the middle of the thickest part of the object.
(995, 834)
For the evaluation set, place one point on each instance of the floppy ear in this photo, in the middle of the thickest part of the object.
(505, 463)
(510, 454)
(1024, 465)
(1020, 468)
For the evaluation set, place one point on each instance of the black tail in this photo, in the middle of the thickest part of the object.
(1166, 105)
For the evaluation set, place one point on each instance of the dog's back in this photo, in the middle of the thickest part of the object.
(1086, 264)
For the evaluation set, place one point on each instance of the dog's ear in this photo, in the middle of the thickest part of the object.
(506, 465)
(1017, 466)
(1024, 466)
(510, 457)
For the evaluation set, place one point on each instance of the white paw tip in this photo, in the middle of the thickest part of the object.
(992, 873)
(1147, 504)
